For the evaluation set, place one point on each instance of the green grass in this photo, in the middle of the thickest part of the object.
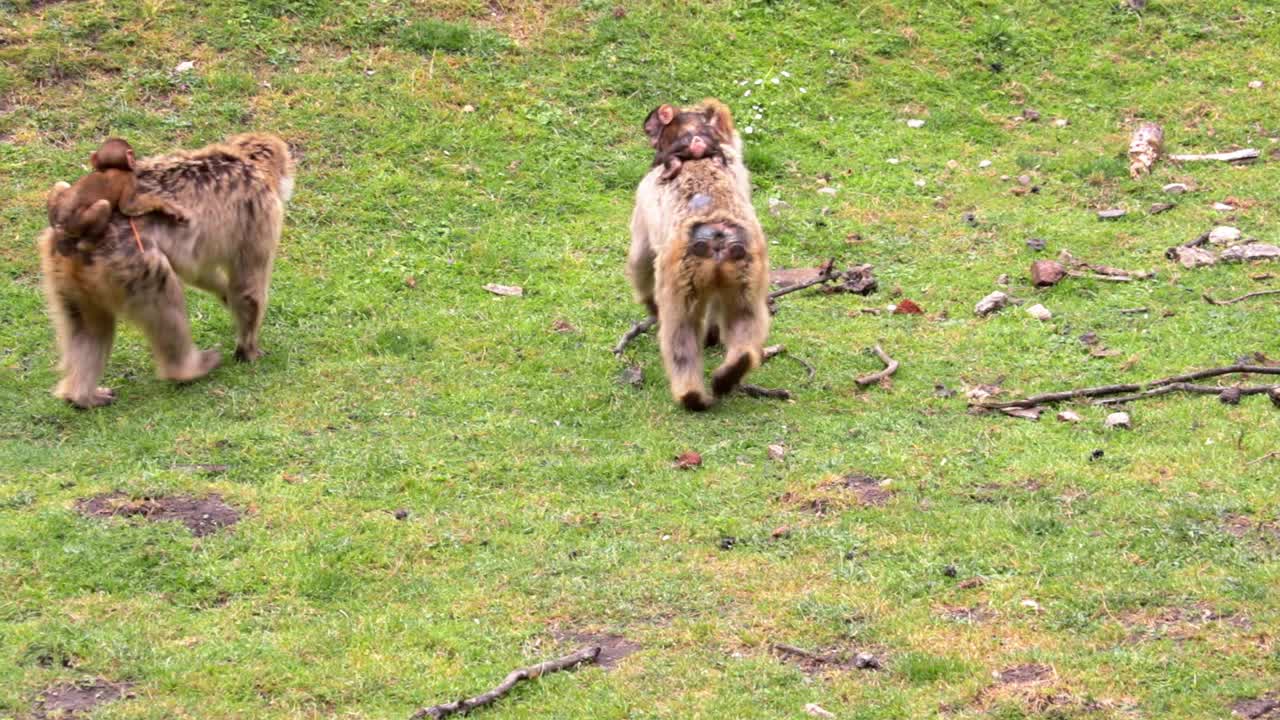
(541, 492)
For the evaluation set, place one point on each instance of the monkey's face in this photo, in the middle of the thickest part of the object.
(688, 134)
(718, 242)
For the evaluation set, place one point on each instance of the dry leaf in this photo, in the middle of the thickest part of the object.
(689, 459)
(507, 290)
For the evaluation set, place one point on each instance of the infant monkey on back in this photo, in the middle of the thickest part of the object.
(678, 136)
(80, 213)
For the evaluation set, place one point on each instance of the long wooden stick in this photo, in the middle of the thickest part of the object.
(585, 655)
(890, 367)
(826, 274)
(1234, 156)
(1107, 390)
(1235, 300)
(1188, 388)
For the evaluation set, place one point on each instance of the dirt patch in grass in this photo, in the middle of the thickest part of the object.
(1178, 622)
(613, 647)
(852, 490)
(202, 516)
(1243, 527)
(973, 615)
(999, 492)
(1025, 674)
(1262, 708)
(70, 700)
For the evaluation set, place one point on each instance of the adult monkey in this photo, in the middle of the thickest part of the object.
(233, 194)
(698, 258)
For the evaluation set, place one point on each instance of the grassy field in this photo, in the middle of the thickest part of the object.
(1014, 569)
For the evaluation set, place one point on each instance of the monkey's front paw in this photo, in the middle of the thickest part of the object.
(695, 401)
(727, 376)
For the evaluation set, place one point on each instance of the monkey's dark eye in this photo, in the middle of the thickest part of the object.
(700, 248)
(737, 251)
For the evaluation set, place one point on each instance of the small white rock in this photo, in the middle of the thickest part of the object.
(1224, 235)
(1069, 416)
(184, 66)
(1031, 604)
(1223, 207)
(1255, 84)
(1039, 312)
(915, 123)
(893, 161)
(468, 108)
(1118, 419)
(828, 190)
(952, 164)
(777, 452)
(920, 183)
(991, 303)
(1175, 188)
(984, 164)
(1061, 122)
(818, 711)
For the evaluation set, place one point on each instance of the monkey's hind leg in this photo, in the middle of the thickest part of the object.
(679, 339)
(640, 269)
(745, 329)
(159, 308)
(143, 203)
(249, 281)
(85, 334)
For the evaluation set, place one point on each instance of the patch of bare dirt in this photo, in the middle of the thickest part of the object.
(1244, 527)
(202, 516)
(1025, 674)
(1178, 623)
(1262, 708)
(71, 700)
(868, 490)
(999, 492)
(973, 615)
(613, 647)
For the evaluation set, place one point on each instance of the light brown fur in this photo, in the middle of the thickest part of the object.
(694, 293)
(234, 193)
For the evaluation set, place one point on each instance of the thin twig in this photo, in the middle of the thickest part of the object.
(1189, 388)
(1133, 311)
(585, 655)
(890, 367)
(1099, 276)
(1234, 156)
(794, 651)
(826, 274)
(774, 351)
(1264, 458)
(1215, 372)
(1054, 397)
(1235, 300)
(757, 391)
(639, 328)
(1150, 388)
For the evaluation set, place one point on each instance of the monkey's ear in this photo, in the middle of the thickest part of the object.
(718, 117)
(657, 120)
(128, 158)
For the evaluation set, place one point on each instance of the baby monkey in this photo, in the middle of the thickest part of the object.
(682, 135)
(82, 211)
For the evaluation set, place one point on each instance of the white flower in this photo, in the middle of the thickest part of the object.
(920, 183)
(984, 164)
(775, 81)
(915, 123)
(893, 161)
(746, 94)
(786, 74)
(759, 81)
(748, 129)
(803, 91)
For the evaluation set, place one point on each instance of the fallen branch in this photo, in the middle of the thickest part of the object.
(1264, 458)
(1229, 394)
(890, 367)
(585, 655)
(1099, 276)
(757, 391)
(1153, 388)
(1054, 397)
(826, 274)
(638, 328)
(1215, 372)
(794, 651)
(1234, 156)
(1235, 300)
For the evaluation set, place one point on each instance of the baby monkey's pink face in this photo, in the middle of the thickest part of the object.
(682, 135)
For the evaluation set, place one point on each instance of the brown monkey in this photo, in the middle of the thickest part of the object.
(81, 212)
(678, 136)
(235, 194)
(698, 261)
